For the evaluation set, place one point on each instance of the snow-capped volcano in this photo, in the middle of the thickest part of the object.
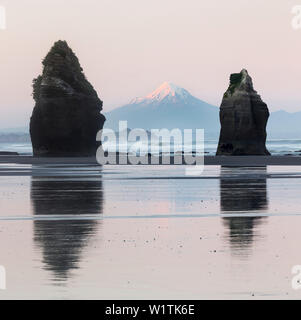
(167, 91)
(169, 106)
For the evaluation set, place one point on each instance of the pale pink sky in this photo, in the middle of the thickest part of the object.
(129, 47)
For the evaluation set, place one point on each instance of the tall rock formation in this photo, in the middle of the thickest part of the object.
(243, 117)
(67, 114)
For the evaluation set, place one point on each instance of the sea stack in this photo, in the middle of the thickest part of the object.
(67, 114)
(243, 117)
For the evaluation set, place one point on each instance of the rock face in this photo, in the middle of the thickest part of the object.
(243, 117)
(66, 117)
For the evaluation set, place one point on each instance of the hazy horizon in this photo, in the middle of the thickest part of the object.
(128, 48)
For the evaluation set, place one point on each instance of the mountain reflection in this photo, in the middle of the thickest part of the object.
(243, 190)
(62, 241)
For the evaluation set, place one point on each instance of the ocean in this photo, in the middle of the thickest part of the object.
(275, 146)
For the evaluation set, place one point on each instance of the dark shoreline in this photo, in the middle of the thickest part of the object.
(237, 161)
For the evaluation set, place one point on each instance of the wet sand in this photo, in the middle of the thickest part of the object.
(208, 160)
(149, 232)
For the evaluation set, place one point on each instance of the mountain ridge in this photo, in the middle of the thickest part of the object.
(167, 107)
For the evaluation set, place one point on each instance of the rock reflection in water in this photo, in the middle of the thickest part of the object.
(62, 241)
(243, 190)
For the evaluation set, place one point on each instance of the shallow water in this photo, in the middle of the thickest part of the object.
(149, 232)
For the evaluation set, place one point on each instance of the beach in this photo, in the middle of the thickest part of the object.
(72, 229)
(150, 151)
(208, 160)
